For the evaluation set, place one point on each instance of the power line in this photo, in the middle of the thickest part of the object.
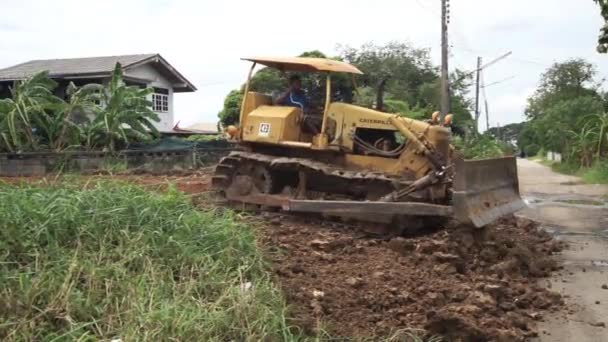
(516, 59)
(499, 81)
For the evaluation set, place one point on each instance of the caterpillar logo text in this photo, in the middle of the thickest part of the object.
(374, 121)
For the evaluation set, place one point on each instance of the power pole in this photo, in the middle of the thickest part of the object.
(477, 95)
(445, 94)
(487, 114)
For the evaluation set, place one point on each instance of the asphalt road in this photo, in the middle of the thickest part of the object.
(576, 213)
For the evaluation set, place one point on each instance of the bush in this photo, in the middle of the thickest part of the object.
(117, 262)
(566, 167)
(479, 147)
(597, 174)
(531, 150)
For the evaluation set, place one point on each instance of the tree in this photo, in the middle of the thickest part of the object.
(602, 46)
(22, 115)
(573, 78)
(565, 112)
(507, 133)
(229, 115)
(125, 116)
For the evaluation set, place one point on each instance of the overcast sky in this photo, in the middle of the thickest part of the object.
(205, 39)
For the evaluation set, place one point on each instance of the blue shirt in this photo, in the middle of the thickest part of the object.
(296, 98)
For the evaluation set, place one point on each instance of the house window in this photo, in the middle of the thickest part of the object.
(160, 100)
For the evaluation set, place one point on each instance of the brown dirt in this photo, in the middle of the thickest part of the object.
(462, 284)
(457, 283)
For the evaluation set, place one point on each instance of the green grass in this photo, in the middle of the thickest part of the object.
(567, 168)
(596, 174)
(116, 261)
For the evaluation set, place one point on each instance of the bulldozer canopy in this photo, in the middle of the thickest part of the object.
(305, 64)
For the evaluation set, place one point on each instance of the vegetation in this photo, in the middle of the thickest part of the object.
(567, 114)
(113, 261)
(481, 146)
(126, 115)
(602, 46)
(409, 80)
(34, 118)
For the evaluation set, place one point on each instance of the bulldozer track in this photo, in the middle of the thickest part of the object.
(228, 164)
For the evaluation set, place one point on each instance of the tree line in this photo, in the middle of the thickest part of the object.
(93, 116)
(568, 114)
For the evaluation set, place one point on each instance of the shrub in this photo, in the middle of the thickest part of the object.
(597, 174)
(531, 150)
(479, 147)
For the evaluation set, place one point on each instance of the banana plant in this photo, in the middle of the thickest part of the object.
(126, 115)
(66, 127)
(583, 144)
(21, 114)
(603, 133)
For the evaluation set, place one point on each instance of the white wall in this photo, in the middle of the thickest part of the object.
(148, 72)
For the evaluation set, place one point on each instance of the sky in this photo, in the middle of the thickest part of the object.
(204, 39)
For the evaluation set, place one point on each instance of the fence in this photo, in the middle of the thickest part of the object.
(554, 156)
(156, 160)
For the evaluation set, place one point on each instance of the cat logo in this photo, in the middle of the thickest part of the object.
(264, 129)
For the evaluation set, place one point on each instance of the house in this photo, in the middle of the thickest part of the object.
(146, 70)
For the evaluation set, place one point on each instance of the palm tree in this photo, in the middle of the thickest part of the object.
(126, 115)
(19, 115)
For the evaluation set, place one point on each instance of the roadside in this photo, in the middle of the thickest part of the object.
(595, 174)
(576, 213)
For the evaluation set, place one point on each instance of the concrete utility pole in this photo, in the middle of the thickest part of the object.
(445, 93)
(478, 77)
(487, 113)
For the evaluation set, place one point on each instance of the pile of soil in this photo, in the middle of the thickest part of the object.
(459, 283)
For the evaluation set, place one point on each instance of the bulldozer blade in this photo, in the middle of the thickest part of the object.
(485, 190)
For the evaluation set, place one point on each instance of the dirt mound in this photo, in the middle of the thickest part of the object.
(472, 285)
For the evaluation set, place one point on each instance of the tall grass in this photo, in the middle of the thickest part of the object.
(115, 261)
(597, 173)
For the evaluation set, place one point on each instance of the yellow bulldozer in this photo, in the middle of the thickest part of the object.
(361, 163)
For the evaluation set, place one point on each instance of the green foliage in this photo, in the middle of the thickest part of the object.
(509, 133)
(531, 149)
(25, 112)
(597, 174)
(396, 106)
(411, 78)
(34, 119)
(566, 167)
(566, 113)
(65, 127)
(229, 115)
(602, 46)
(112, 261)
(126, 115)
(482, 146)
